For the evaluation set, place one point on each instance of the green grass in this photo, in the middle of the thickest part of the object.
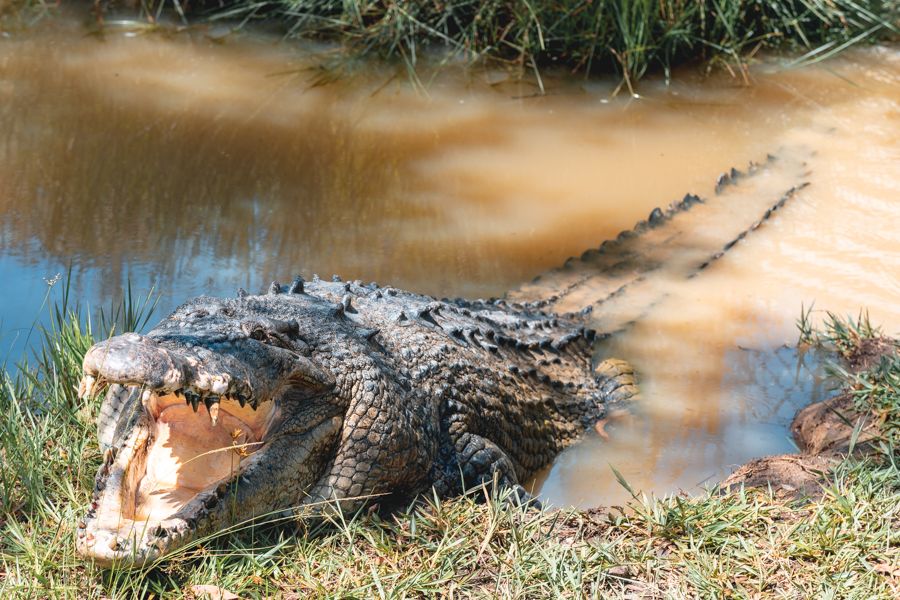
(875, 384)
(741, 544)
(629, 37)
(626, 37)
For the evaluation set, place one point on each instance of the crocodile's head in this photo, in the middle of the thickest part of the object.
(219, 415)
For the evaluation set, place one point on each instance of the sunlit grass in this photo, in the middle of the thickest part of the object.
(744, 543)
(875, 384)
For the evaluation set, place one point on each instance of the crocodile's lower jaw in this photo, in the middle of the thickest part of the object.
(153, 487)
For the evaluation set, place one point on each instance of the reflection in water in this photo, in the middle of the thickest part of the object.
(203, 166)
(742, 414)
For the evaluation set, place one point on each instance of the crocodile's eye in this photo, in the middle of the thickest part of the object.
(282, 334)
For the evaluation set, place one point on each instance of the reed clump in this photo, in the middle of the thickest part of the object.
(629, 37)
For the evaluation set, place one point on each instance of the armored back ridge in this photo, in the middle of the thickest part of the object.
(332, 392)
(624, 277)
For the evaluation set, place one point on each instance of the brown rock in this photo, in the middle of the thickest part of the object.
(827, 427)
(788, 475)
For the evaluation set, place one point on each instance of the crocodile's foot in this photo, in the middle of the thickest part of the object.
(617, 382)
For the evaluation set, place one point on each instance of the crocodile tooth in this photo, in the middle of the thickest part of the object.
(96, 384)
(149, 400)
(85, 386)
(213, 409)
(193, 400)
(212, 402)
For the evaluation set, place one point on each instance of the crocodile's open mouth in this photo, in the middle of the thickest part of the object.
(188, 423)
(190, 448)
(177, 462)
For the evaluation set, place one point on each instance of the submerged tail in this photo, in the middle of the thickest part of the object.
(627, 275)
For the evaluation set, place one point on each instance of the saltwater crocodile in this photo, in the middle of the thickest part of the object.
(330, 392)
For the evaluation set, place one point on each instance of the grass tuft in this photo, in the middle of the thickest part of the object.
(628, 37)
(874, 375)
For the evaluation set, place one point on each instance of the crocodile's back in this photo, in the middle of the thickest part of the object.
(514, 374)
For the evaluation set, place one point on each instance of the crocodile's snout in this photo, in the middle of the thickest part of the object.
(135, 360)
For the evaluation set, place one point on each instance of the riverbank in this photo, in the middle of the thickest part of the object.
(840, 540)
(629, 39)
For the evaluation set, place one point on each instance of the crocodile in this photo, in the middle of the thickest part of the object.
(331, 393)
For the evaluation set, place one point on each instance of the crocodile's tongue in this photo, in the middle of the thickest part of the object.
(191, 450)
(189, 453)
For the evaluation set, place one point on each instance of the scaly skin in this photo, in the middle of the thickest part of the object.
(387, 392)
(336, 392)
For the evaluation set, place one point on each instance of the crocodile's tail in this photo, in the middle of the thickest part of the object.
(627, 275)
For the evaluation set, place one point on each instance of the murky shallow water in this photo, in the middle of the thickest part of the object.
(201, 166)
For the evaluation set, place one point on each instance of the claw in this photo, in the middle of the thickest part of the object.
(148, 399)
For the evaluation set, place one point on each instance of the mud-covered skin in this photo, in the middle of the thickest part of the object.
(404, 392)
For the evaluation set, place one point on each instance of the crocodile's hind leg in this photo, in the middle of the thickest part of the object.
(617, 383)
(618, 387)
(484, 464)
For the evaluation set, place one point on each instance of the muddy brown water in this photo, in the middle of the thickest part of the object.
(199, 164)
